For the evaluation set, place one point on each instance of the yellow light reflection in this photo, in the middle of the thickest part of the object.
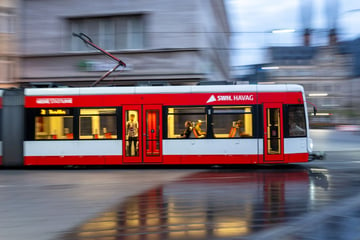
(176, 227)
(103, 222)
(197, 234)
(196, 226)
(231, 229)
(98, 234)
(176, 235)
(152, 221)
(132, 222)
(96, 226)
(154, 236)
(131, 237)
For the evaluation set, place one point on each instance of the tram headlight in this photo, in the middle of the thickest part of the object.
(310, 145)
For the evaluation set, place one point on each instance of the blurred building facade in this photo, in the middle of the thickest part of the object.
(329, 70)
(8, 43)
(161, 41)
(329, 76)
(329, 73)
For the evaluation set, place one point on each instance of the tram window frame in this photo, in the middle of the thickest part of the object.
(299, 121)
(100, 133)
(46, 117)
(239, 113)
(196, 112)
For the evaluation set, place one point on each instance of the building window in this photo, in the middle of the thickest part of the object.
(54, 124)
(7, 68)
(110, 33)
(232, 122)
(7, 22)
(180, 119)
(98, 123)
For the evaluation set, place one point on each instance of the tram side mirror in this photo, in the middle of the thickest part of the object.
(314, 109)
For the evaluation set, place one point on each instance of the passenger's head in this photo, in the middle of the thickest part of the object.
(188, 124)
(239, 123)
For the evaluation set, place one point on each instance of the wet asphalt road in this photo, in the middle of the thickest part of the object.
(316, 200)
(313, 201)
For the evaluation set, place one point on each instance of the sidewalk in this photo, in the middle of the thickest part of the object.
(333, 140)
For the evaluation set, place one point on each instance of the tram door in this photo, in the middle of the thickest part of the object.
(142, 134)
(273, 132)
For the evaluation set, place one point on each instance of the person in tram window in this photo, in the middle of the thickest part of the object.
(295, 130)
(188, 130)
(132, 128)
(240, 130)
(198, 131)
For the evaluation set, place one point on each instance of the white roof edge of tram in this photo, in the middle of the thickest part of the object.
(162, 89)
(51, 91)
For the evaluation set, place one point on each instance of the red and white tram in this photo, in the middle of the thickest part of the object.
(230, 124)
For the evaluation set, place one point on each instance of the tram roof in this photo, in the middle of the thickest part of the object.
(162, 89)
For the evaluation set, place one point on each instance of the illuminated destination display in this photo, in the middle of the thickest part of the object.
(54, 101)
(54, 112)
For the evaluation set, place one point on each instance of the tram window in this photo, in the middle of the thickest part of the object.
(179, 116)
(53, 124)
(296, 121)
(232, 122)
(98, 123)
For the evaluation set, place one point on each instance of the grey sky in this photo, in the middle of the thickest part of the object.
(252, 22)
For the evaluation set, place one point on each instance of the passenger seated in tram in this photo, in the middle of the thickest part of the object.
(197, 130)
(188, 130)
(238, 130)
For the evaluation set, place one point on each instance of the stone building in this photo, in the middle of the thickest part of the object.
(326, 72)
(162, 42)
(8, 46)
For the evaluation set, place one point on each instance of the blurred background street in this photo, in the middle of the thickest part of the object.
(333, 140)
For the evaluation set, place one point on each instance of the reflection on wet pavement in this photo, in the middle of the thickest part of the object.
(215, 204)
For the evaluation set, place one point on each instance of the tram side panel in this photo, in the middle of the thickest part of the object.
(211, 151)
(66, 134)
